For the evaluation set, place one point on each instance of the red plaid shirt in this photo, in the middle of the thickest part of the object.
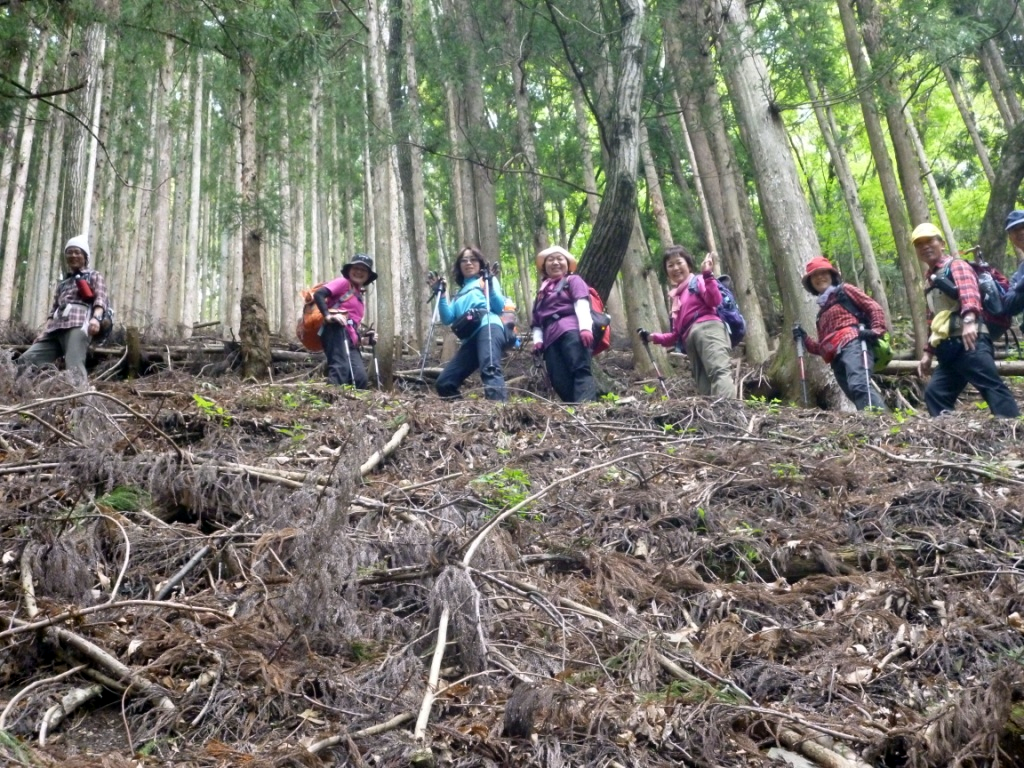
(837, 326)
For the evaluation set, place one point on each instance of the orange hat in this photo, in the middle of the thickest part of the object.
(817, 264)
(543, 256)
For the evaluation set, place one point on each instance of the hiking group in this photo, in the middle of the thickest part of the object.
(969, 306)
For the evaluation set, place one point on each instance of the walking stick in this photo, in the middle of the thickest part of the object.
(373, 350)
(864, 360)
(485, 277)
(803, 371)
(647, 346)
(348, 353)
(433, 323)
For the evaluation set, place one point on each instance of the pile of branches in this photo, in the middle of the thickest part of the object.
(213, 573)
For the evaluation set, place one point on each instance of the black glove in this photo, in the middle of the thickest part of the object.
(440, 286)
(644, 335)
(371, 338)
(866, 334)
(799, 334)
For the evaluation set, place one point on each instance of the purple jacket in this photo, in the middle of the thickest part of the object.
(340, 288)
(554, 309)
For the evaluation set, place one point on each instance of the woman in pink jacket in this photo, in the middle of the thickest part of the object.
(696, 326)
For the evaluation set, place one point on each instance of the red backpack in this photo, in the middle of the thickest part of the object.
(601, 319)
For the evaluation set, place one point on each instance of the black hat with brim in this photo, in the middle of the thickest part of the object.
(362, 260)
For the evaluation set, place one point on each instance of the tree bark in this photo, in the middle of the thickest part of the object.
(254, 332)
(1005, 187)
(886, 176)
(189, 309)
(967, 114)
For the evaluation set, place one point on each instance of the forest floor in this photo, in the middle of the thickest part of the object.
(198, 571)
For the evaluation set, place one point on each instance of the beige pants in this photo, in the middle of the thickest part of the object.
(710, 355)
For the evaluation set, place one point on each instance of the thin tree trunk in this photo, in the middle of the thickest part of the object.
(907, 165)
(654, 195)
(189, 308)
(8, 141)
(86, 68)
(19, 191)
(848, 185)
(1001, 84)
(321, 263)
(967, 114)
(886, 176)
(289, 290)
(933, 187)
(159, 271)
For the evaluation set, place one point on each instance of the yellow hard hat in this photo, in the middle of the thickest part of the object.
(926, 231)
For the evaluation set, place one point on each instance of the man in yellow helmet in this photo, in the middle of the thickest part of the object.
(959, 340)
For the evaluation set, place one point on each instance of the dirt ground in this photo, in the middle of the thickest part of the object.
(198, 571)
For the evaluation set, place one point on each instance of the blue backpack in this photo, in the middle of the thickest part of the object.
(728, 310)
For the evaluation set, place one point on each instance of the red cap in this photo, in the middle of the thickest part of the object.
(817, 264)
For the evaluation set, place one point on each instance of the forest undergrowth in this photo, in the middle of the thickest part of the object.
(199, 571)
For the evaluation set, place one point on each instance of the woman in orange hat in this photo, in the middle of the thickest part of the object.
(845, 315)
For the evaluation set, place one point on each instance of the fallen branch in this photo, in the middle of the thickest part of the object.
(373, 730)
(31, 687)
(389, 448)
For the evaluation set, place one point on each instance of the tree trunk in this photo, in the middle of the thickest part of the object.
(787, 216)
(85, 69)
(848, 185)
(610, 237)
(907, 165)
(1000, 83)
(254, 332)
(654, 195)
(19, 191)
(886, 177)
(967, 114)
(376, 22)
(1005, 187)
(189, 309)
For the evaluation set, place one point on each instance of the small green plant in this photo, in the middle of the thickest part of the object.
(212, 411)
(296, 432)
(773, 406)
(125, 498)
(610, 397)
(785, 470)
(649, 389)
(504, 488)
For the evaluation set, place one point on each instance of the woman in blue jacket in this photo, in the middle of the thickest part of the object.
(474, 314)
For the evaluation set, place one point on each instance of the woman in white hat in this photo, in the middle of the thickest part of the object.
(563, 329)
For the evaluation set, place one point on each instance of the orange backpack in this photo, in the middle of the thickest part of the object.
(307, 329)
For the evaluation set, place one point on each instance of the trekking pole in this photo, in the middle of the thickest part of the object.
(803, 371)
(433, 323)
(661, 379)
(485, 277)
(373, 350)
(864, 360)
(348, 353)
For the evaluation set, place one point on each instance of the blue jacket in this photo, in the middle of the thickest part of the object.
(1013, 302)
(471, 296)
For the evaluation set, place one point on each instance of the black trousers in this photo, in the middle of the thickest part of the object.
(958, 367)
(344, 363)
(568, 364)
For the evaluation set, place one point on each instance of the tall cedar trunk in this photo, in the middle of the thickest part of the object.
(474, 122)
(135, 286)
(253, 332)
(687, 192)
(403, 96)
(602, 258)
(38, 191)
(654, 196)
(848, 185)
(517, 57)
(705, 120)
(84, 70)
(189, 308)
(386, 254)
(1000, 83)
(179, 217)
(907, 165)
(1005, 190)
(933, 187)
(19, 192)
(967, 115)
(788, 221)
(289, 290)
(886, 176)
(321, 265)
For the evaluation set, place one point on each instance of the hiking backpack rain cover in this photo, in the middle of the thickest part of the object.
(307, 329)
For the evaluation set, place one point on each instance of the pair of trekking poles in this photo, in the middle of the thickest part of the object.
(439, 288)
(800, 351)
(348, 354)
